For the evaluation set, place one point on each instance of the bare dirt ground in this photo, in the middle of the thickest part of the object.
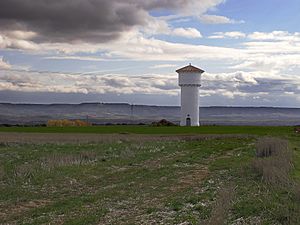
(14, 137)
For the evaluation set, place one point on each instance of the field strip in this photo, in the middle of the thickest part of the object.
(15, 137)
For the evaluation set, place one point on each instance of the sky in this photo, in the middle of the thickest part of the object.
(73, 51)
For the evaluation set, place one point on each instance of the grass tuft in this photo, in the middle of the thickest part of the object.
(274, 161)
(57, 160)
(222, 205)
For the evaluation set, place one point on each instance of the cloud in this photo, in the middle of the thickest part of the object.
(94, 21)
(275, 52)
(275, 36)
(231, 34)
(270, 52)
(187, 32)
(80, 58)
(135, 46)
(273, 47)
(159, 66)
(18, 39)
(215, 19)
(29, 81)
(232, 85)
(268, 64)
(251, 85)
(71, 20)
(160, 26)
(4, 65)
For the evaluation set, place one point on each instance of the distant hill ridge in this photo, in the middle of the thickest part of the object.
(127, 104)
(102, 113)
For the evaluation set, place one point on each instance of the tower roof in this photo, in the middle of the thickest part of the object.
(190, 69)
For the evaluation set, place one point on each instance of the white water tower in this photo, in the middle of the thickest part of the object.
(189, 79)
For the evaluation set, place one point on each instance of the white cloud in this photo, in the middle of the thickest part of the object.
(260, 66)
(187, 32)
(233, 85)
(4, 65)
(160, 25)
(20, 35)
(196, 7)
(275, 36)
(80, 58)
(135, 46)
(274, 52)
(17, 40)
(160, 66)
(271, 63)
(231, 34)
(28, 81)
(215, 19)
(271, 47)
(267, 56)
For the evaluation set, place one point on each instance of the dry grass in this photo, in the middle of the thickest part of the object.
(28, 170)
(222, 206)
(274, 164)
(269, 146)
(273, 161)
(297, 191)
(2, 172)
(24, 171)
(57, 160)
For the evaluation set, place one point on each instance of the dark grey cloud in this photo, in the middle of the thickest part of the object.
(67, 20)
(72, 20)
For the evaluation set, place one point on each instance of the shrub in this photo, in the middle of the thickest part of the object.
(163, 123)
(266, 147)
(297, 129)
(67, 123)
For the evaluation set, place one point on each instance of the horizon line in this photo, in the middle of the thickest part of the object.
(126, 103)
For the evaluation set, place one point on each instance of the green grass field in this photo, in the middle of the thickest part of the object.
(267, 130)
(140, 182)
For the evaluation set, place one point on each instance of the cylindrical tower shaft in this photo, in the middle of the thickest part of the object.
(189, 106)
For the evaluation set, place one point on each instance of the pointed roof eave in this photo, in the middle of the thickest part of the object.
(190, 69)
